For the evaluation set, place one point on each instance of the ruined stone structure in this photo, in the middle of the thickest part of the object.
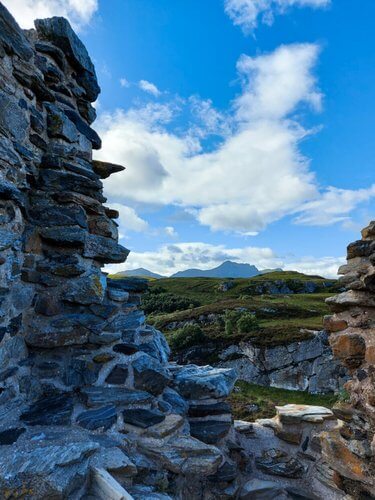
(85, 384)
(350, 449)
(90, 406)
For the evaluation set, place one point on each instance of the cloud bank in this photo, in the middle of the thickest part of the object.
(255, 173)
(248, 13)
(168, 259)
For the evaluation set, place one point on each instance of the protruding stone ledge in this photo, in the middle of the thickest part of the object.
(105, 169)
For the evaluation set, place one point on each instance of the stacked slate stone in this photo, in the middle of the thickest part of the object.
(85, 384)
(350, 450)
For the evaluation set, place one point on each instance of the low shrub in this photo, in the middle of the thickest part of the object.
(239, 321)
(166, 303)
(186, 336)
(247, 323)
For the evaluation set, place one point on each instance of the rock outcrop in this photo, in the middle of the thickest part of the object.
(88, 399)
(350, 448)
(307, 365)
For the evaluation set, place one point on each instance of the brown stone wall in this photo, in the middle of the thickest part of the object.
(350, 449)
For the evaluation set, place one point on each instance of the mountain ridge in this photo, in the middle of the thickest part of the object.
(227, 269)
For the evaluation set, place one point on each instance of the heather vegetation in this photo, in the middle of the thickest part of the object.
(270, 309)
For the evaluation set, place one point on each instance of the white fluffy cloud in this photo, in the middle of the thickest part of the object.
(124, 82)
(333, 206)
(170, 231)
(149, 87)
(246, 13)
(256, 174)
(324, 266)
(129, 220)
(79, 12)
(171, 258)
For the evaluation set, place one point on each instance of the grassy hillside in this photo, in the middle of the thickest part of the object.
(279, 317)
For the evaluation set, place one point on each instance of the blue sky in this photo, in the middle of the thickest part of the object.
(245, 125)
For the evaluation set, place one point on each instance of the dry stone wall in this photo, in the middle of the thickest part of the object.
(350, 449)
(85, 384)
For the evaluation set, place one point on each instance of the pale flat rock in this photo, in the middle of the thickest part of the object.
(243, 427)
(183, 454)
(195, 382)
(113, 459)
(170, 424)
(105, 487)
(51, 471)
(293, 413)
(272, 423)
(258, 489)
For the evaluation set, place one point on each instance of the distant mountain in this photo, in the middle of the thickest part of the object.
(227, 269)
(140, 272)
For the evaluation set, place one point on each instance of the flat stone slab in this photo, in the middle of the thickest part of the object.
(195, 382)
(243, 427)
(44, 471)
(209, 431)
(279, 463)
(118, 375)
(142, 417)
(49, 410)
(97, 396)
(206, 409)
(183, 454)
(258, 489)
(103, 417)
(150, 375)
(303, 413)
(169, 425)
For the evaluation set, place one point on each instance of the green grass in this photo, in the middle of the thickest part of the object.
(266, 398)
(280, 317)
(206, 290)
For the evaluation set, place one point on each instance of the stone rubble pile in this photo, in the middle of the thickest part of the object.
(287, 457)
(89, 403)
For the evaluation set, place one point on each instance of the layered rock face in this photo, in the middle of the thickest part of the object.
(85, 384)
(350, 449)
(307, 365)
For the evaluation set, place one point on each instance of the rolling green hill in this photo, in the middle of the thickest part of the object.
(171, 302)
